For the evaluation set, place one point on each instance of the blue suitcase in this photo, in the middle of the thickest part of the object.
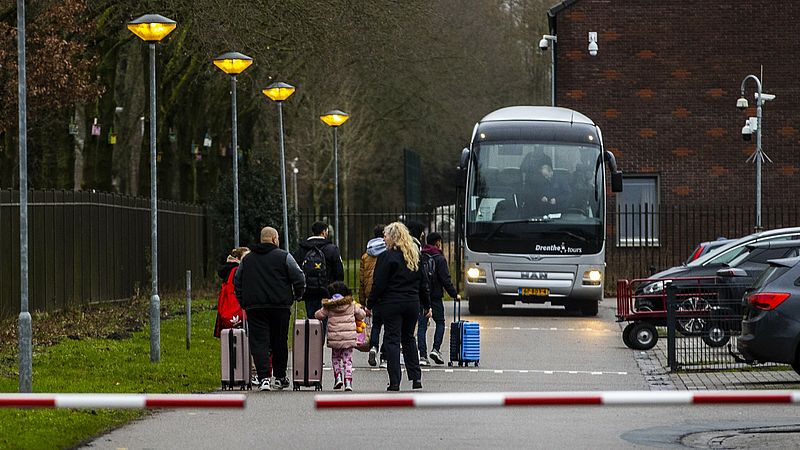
(465, 339)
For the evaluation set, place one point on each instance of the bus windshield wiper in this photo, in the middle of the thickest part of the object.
(568, 233)
(500, 225)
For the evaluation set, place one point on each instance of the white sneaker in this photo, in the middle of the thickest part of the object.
(384, 364)
(402, 360)
(254, 380)
(436, 356)
(423, 361)
(265, 385)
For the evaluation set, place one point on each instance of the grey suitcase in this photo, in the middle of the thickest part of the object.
(235, 359)
(307, 354)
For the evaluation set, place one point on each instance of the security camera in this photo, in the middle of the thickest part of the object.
(747, 132)
(544, 44)
(742, 103)
(593, 43)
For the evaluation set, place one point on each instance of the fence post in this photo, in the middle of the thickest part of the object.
(188, 309)
(671, 322)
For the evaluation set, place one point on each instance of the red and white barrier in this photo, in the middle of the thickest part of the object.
(120, 401)
(500, 399)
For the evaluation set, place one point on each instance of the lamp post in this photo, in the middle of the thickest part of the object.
(747, 130)
(335, 119)
(278, 92)
(233, 64)
(544, 44)
(152, 28)
(295, 171)
(25, 325)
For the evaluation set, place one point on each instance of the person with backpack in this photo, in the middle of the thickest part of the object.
(229, 312)
(366, 270)
(322, 265)
(439, 276)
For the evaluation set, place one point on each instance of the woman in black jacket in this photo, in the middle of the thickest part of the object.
(399, 289)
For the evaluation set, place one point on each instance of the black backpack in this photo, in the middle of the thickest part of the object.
(428, 266)
(315, 268)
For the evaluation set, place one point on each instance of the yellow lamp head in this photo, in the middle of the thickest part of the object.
(152, 27)
(279, 91)
(334, 118)
(233, 63)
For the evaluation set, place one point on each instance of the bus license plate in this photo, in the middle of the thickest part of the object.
(534, 292)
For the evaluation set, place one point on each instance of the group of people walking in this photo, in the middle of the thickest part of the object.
(401, 287)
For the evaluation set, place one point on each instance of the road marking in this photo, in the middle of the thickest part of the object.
(549, 329)
(497, 371)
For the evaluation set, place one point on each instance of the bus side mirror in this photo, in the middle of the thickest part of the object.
(616, 182)
(462, 164)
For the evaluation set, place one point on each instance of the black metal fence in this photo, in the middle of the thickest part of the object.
(87, 247)
(704, 320)
(357, 230)
(643, 239)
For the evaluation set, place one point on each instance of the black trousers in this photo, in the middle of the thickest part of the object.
(399, 322)
(269, 330)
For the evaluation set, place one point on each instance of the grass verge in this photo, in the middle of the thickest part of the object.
(110, 364)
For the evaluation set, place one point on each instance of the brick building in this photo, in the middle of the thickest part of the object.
(663, 88)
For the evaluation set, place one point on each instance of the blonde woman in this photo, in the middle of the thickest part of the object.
(399, 289)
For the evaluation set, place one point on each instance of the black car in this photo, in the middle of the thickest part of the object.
(751, 260)
(705, 248)
(771, 324)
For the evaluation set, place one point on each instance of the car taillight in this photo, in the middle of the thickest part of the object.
(698, 252)
(767, 301)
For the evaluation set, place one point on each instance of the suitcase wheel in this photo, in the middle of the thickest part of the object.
(296, 386)
(477, 363)
(318, 387)
(460, 364)
(450, 364)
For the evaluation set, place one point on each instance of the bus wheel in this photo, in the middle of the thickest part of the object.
(590, 308)
(477, 306)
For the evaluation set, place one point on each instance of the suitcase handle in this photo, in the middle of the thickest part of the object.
(456, 310)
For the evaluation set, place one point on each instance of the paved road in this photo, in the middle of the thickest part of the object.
(524, 349)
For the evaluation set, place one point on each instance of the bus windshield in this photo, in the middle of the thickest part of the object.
(528, 197)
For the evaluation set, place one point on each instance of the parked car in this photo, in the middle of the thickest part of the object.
(771, 323)
(750, 262)
(708, 264)
(705, 248)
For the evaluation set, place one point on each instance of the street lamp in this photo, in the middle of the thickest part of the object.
(152, 28)
(25, 326)
(335, 119)
(758, 156)
(233, 64)
(278, 92)
(295, 171)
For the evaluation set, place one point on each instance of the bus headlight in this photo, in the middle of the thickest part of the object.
(592, 277)
(476, 275)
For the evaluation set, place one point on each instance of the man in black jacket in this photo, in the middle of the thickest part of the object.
(439, 278)
(267, 283)
(321, 263)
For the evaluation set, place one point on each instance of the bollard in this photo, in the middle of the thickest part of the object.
(672, 304)
(188, 309)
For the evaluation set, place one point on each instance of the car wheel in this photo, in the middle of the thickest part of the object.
(693, 326)
(644, 305)
(626, 335)
(590, 308)
(477, 306)
(643, 336)
(715, 336)
(494, 307)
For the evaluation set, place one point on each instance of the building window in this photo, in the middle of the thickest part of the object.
(637, 212)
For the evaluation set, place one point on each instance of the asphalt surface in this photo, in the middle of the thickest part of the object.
(524, 349)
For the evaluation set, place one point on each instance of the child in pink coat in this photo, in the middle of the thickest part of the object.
(342, 312)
